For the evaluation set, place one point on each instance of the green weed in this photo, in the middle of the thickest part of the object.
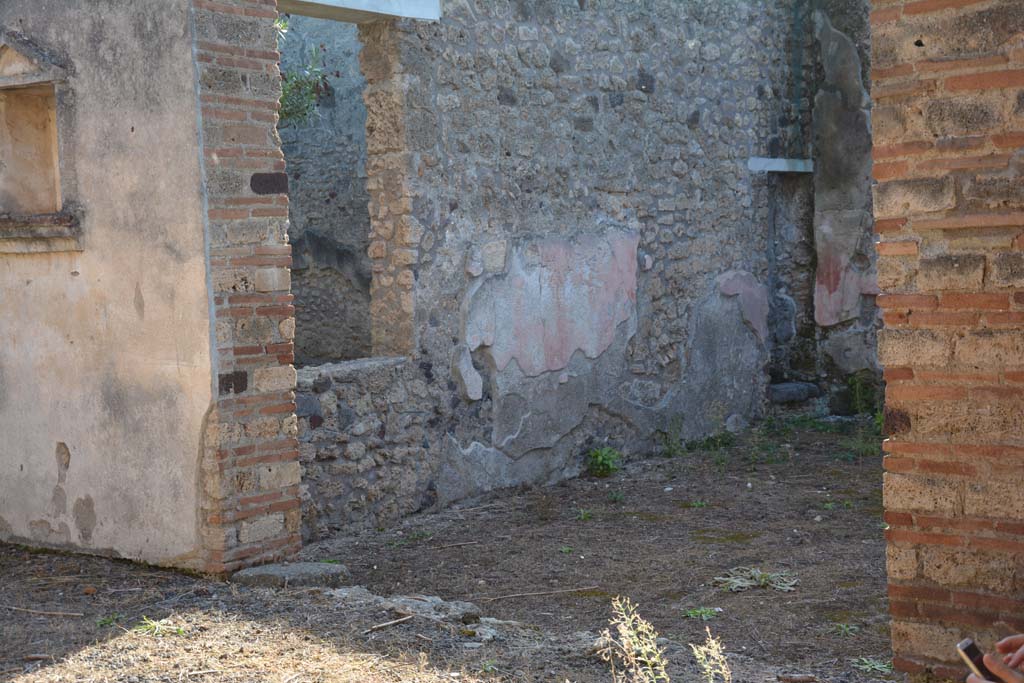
(151, 627)
(863, 444)
(414, 537)
(302, 89)
(672, 445)
(713, 443)
(583, 515)
(865, 396)
(871, 665)
(602, 462)
(109, 620)
(702, 613)
(845, 630)
(616, 497)
(565, 549)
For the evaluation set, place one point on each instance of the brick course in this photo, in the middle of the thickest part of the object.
(947, 128)
(251, 508)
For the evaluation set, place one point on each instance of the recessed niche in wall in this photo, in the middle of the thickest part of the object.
(29, 167)
(33, 215)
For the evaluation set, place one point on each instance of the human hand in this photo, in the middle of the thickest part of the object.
(999, 669)
(1013, 648)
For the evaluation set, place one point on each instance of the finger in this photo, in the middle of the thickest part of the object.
(1014, 660)
(975, 679)
(1011, 643)
(996, 666)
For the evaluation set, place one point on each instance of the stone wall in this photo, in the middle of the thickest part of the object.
(823, 318)
(329, 219)
(567, 246)
(948, 79)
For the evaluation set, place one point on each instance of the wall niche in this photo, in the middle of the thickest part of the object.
(33, 212)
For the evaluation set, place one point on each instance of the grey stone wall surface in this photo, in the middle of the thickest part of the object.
(584, 251)
(823, 317)
(846, 274)
(328, 214)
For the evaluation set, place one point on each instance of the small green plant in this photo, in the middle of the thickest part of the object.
(720, 461)
(710, 656)
(829, 505)
(774, 427)
(281, 27)
(871, 665)
(631, 648)
(845, 629)
(702, 613)
(744, 578)
(565, 549)
(688, 504)
(602, 462)
(414, 537)
(583, 515)
(489, 667)
(109, 620)
(864, 392)
(616, 497)
(302, 89)
(847, 504)
(862, 444)
(672, 445)
(713, 443)
(330, 561)
(157, 628)
(816, 424)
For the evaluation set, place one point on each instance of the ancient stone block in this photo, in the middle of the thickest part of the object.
(962, 271)
(273, 279)
(261, 528)
(914, 347)
(281, 378)
(899, 198)
(1008, 269)
(910, 493)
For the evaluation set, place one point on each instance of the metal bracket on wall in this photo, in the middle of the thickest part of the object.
(769, 165)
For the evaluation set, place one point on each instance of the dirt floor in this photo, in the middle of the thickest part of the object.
(801, 496)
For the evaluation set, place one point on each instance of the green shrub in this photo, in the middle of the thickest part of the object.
(602, 462)
(301, 90)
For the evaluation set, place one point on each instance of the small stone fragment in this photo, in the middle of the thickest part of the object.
(322, 574)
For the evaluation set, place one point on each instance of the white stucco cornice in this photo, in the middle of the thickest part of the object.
(360, 11)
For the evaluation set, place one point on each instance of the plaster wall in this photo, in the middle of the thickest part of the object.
(105, 368)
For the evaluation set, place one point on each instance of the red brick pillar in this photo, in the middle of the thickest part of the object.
(948, 119)
(250, 466)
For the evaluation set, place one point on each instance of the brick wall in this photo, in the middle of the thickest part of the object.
(948, 85)
(250, 468)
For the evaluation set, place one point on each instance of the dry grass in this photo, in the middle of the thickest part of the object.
(230, 649)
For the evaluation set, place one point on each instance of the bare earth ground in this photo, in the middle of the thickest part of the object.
(789, 498)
